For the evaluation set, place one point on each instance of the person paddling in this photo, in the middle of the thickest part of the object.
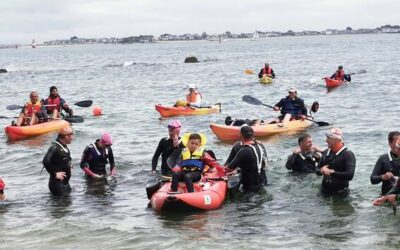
(291, 107)
(96, 156)
(340, 75)
(57, 162)
(54, 104)
(266, 71)
(194, 97)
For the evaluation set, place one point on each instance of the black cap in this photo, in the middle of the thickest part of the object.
(246, 131)
(340, 67)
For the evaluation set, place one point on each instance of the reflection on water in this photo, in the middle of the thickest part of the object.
(59, 206)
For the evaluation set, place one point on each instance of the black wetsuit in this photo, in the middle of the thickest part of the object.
(302, 162)
(165, 148)
(58, 159)
(386, 163)
(344, 164)
(96, 158)
(244, 157)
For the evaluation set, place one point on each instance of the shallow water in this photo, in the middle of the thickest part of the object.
(290, 214)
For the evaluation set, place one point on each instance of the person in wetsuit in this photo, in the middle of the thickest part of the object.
(57, 162)
(337, 164)
(2, 186)
(166, 146)
(250, 156)
(305, 158)
(96, 156)
(388, 165)
(54, 104)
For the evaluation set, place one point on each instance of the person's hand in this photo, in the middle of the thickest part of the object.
(61, 175)
(176, 169)
(379, 201)
(303, 117)
(113, 172)
(65, 106)
(276, 108)
(387, 176)
(153, 172)
(296, 150)
(325, 170)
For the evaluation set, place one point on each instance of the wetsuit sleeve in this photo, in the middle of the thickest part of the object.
(111, 159)
(290, 161)
(272, 73)
(47, 160)
(85, 158)
(236, 160)
(231, 154)
(280, 103)
(156, 155)
(333, 76)
(376, 176)
(260, 74)
(347, 77)
(350, 166)
(210, 161)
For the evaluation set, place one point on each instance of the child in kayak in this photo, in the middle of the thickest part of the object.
(191, 163)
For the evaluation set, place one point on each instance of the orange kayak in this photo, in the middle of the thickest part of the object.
(227, 133)
(332, 83)
(23, 132)
(174, 111)
(209, 194)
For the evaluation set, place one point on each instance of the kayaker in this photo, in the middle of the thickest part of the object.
(267, 70)
(191, 163)
(2, 186)
(194, 98)
(166, 146)
(54, 104)
(33, 111)
(388, 165)
(305, 158)
(291, 107)
(337, 164)
(250, 156)
(96, 156)
(340, 75)
(57, 162)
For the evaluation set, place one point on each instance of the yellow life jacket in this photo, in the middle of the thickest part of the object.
(192, 161)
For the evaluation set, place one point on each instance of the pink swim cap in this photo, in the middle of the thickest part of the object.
(106, 139)
(174, 124)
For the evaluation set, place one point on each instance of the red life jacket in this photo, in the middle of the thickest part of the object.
(56, 102)
(339, 75)
(30, 107)
(268, 72)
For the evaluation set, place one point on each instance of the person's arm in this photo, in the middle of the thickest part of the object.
(47, 160)
(272, 74)
(376, 176)
(347, 77)
(278, 106)
(290, 161)
(303, 107)
(350, 165)
(232, 154)
(333, 76)
(260, 75)
(86, 157)
(211, 162)
(236, 160)
(156, 155)
(113, 170)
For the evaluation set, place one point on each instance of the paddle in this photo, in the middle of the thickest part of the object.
(152, 186)
(84, 104)
(363, 71)
(255, 101)
(74, 119)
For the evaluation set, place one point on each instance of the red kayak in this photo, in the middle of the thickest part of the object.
(209, 194)
(332, 83)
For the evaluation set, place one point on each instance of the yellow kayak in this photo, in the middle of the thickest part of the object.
(266, 80)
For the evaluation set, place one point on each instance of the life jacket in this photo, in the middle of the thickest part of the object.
(55, 104)
(289, 106)
(194, 97)
(98, 159)
(30, 107)
(339, 75)
(268, 72)
(192, 161)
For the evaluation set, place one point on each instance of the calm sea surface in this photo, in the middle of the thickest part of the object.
(292, 213)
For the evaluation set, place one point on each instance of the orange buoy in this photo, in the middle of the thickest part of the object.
(97, 111)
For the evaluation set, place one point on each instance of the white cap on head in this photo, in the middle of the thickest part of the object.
(292, 89)
(192, 86)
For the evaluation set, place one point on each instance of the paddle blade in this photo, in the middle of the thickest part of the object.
(362, 71)
(322, 124)
(14, 107)
(74, 119)
(315, 107)
(251, 100)
(84, 104)
(249, 72)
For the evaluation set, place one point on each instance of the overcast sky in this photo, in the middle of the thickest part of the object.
(22, 20)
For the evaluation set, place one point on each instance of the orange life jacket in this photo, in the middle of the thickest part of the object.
(193, 97)
(30, 107)
(55, 102)
(339, 75)
(268, 72)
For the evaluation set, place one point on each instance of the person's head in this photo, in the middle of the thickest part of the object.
(305, 142)
(174, 127)
(66, 135)
(194, 142)
(266, 65)
(34, 97)
(246, 132)
(106, 140)
(340, 67)
(53, 91)
(393, 136)
(192, 88)
(292, 92)
(334, 136)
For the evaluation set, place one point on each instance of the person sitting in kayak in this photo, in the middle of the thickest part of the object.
(340, 75)
(2, 186)
(166, 147)
(305, 158)
(387, 167)
(191, 163)
(96, 156)
(267, 71)
(194, 97)
(33, 111)
(54, 104)
(291, 107)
